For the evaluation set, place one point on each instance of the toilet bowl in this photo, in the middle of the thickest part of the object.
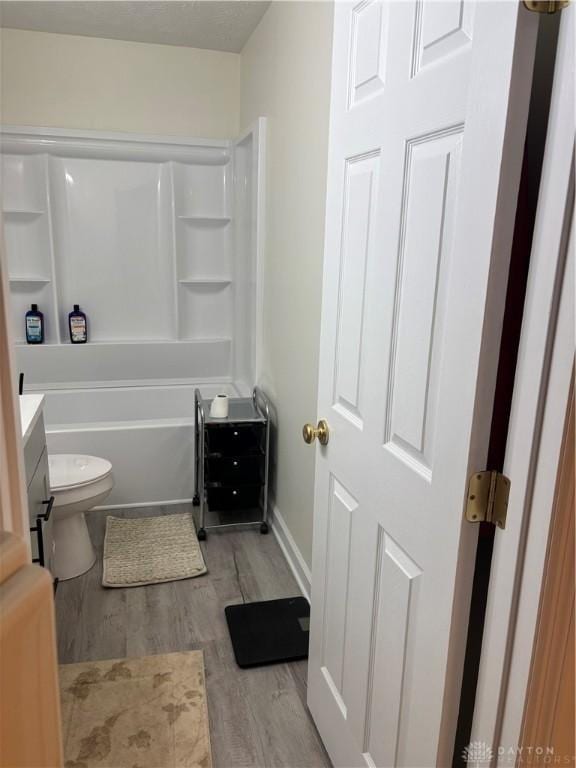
(77, 483)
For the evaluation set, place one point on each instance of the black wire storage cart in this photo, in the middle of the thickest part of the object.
(232, 460)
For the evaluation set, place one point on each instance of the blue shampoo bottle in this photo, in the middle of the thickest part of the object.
(34, 325)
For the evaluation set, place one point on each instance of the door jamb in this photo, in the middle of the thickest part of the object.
(13, 504)
(540, 403)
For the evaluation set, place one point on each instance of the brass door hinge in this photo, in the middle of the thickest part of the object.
(487, 500)
(546, 6)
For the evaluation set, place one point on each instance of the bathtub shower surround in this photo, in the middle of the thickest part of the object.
(158, 240)
(155, 238)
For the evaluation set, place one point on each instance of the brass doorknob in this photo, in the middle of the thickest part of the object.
(322, 432)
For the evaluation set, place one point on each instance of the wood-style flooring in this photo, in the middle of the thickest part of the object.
(258, 717)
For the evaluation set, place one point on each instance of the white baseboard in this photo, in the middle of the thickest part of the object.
(291, 552)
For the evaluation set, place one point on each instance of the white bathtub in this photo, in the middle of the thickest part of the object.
(146, 432)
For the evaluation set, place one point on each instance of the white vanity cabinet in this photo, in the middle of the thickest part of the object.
(39, 500)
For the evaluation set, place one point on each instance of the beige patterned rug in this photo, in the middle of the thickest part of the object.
(150, 550)
(148, 712)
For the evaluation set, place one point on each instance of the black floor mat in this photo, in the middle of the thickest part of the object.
(269, 632)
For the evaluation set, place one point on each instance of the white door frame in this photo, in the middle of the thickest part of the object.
(13, 504)
(541, 396)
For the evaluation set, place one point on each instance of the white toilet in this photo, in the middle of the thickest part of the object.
(77, 483)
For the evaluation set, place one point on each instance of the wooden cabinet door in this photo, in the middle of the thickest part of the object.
(30, 735)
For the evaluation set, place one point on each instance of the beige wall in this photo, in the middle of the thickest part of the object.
(85, 82)
(285, 76)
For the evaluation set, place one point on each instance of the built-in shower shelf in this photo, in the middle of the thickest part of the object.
(23, 212)
(30, 280)
(213, 221)
(190, 258)
(205, 281)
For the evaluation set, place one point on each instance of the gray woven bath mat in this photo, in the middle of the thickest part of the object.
(150, 550)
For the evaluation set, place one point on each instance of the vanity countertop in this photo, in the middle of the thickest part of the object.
(30, 410)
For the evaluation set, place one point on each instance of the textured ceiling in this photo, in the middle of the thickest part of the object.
(219, 26)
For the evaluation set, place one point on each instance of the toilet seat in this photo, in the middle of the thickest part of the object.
(71, 470)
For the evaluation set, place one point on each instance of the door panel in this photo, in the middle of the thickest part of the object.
(441, 29)
(368, 50)
(395, 601)
(340, 520)
(360, 185)
(432, 172)
(418, 230)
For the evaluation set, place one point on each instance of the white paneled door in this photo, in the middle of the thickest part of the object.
(428, 115)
